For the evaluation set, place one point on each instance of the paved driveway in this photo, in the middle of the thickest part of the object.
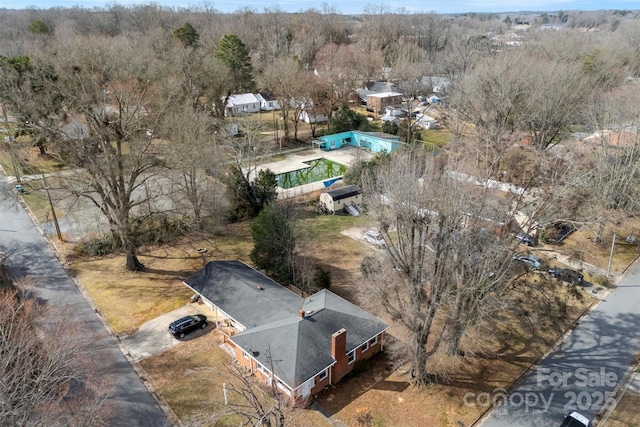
(153, 338)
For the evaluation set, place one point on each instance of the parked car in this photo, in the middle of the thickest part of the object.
(184, 325)
(558, 231)
(527, 239)
(567, 275)
(575, 419)
(529, 260)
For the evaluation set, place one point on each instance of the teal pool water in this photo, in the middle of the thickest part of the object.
(318, 170)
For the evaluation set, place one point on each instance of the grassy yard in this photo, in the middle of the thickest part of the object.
(129, 299)
(381, 393)
(436, 138)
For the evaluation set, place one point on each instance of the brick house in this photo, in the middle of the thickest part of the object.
(377, 102)
(300, 345)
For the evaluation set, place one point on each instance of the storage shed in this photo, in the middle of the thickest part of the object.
(336, 200)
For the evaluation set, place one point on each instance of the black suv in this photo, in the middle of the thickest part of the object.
(567, 275)
(186, 324)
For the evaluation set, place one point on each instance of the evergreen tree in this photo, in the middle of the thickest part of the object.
(235, 55)
(39, 27)
(345, 119)
(247, 198)
(187, 35)
(274, 241)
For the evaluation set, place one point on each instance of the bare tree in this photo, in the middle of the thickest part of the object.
(463, 51)
(606, 178)
(112, 103)
(552, 93)
(432, 223)
(193, 154)
(282, 79)
(253, 402)
(45, 374)
(488, 99)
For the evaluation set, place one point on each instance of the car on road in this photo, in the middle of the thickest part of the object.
(575, 419)
(527, 239)
(567, 275)
(186, 324)
(531, 261)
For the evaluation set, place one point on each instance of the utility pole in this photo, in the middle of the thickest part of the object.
(613, 244)
(53, 211)
(14, 163)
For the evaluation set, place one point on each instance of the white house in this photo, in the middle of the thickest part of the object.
(426, 122)
(313, 115)
(267, 102)
(244, 103)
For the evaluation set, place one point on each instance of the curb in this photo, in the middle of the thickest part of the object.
(619, 392)
(172, 418)
(160, 401)
(482, 418)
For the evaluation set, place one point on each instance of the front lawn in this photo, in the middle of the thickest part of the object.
(129, 299)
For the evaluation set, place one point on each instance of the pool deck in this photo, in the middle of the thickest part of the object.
(294, 161)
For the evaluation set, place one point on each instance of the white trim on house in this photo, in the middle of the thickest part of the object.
(218, 311)
(351, 356)
(323, 375)
(373, 341)
(304, 389)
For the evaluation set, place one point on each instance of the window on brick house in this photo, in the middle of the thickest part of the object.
(351, 357)
(324, 374)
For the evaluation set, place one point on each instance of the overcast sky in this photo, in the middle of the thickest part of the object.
(353, 6)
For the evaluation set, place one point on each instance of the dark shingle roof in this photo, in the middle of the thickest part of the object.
(344, 192)
(233, 287)
(301, 347)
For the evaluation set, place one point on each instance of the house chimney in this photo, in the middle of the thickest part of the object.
(339, 344)
(339, 354)
(301, 313)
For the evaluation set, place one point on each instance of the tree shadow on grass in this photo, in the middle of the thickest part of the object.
(178, 274)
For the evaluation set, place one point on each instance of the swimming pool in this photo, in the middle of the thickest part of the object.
(318, 170)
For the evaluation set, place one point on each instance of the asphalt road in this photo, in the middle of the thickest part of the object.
(27, 254)
(584, 369)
